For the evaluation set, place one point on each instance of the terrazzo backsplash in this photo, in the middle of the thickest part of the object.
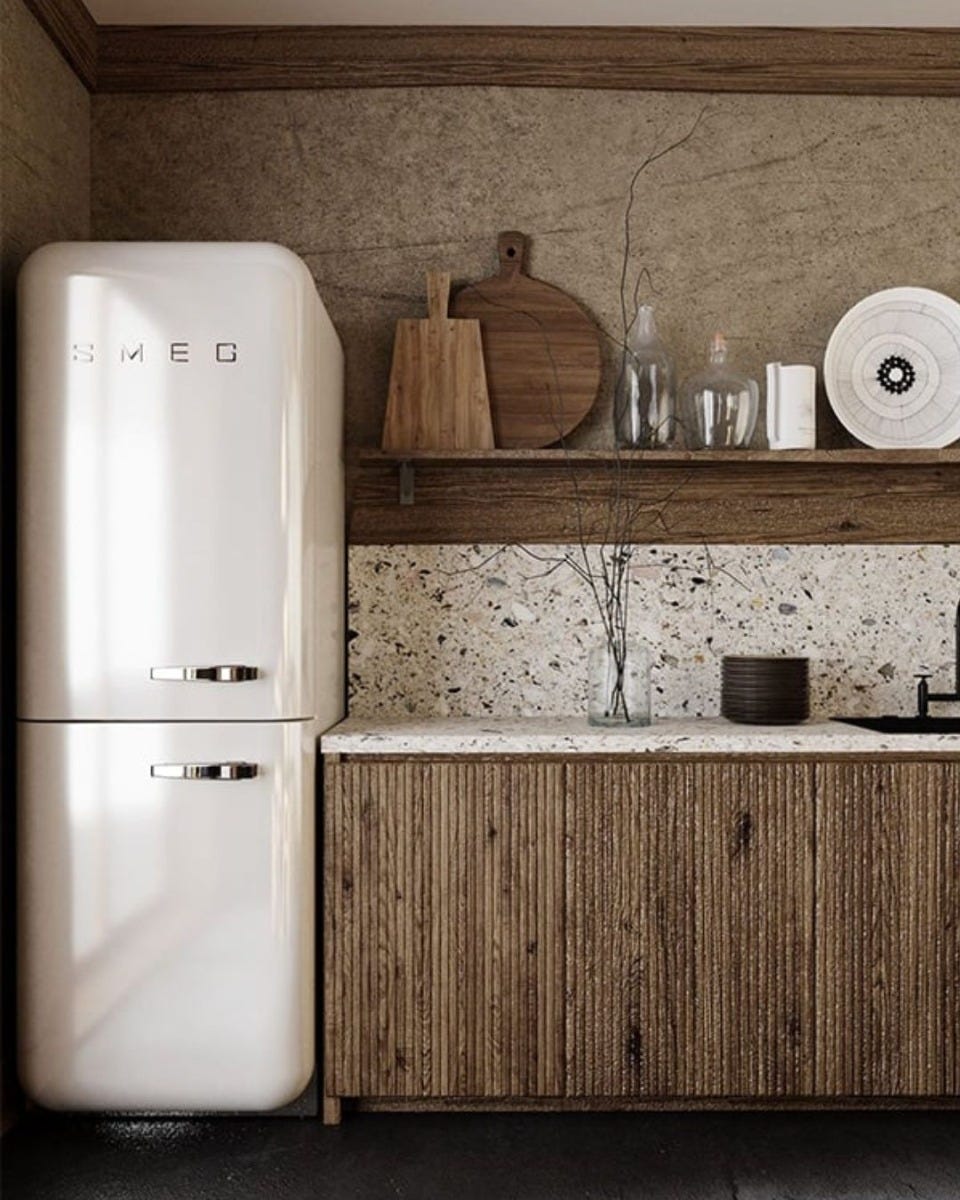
(487, 630)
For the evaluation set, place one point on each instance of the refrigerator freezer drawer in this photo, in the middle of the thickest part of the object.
(166, 915)
(180, 484)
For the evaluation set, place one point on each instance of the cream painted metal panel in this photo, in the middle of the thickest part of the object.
(166, 925)
(180, 417)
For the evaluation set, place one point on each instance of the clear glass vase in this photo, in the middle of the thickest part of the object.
(719, 405)
(644, 404)
(619, 684)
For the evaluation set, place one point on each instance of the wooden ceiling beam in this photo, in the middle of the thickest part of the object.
(189, 58)
(847, 61)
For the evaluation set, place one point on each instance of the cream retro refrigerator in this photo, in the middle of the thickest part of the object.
(180, 648)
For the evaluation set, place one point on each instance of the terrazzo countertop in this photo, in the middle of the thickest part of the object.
(572, 735)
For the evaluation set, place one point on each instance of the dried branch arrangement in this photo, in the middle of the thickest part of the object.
(605, 568)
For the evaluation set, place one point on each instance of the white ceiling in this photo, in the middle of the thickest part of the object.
(527, 12)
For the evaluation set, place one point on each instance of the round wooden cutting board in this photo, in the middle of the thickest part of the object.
(540, 349)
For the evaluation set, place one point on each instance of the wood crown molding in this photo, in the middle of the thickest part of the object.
(191, 58)
(194, 58)
(73, 31)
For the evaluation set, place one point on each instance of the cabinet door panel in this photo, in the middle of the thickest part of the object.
(689, 929)
(444, 973)
(887, 911)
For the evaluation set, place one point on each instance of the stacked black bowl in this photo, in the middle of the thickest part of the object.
(765, 690)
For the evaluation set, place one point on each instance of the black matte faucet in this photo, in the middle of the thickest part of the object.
(924, 695)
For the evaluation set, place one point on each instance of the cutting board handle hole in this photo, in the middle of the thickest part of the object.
(511, 246)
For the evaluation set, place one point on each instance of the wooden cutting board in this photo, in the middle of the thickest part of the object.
(541, 350)
(438, 390)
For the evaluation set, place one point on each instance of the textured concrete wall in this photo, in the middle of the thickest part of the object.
(769, 221)
(44, 143)
(44, 197)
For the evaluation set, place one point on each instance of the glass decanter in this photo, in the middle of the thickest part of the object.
(719, 405)
(644, 405)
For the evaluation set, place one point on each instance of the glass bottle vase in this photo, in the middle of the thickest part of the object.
(719, 405)
(619, 684)
(644, 403)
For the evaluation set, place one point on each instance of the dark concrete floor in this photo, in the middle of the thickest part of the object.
(693, 1156)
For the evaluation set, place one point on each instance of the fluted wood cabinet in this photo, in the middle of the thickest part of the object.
(888, 929)
(444, 929)
(641, 931)
(688, 931)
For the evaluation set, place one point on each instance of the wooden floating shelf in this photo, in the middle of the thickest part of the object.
(680, 496)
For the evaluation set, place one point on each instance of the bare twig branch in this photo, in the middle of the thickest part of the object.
(606, 568)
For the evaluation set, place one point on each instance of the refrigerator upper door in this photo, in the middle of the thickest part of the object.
(174, 401)
(166, 915)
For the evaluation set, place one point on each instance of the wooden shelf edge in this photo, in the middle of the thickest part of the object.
(370, 457)
(753, 497)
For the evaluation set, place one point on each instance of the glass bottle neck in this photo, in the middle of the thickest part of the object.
(718, 350)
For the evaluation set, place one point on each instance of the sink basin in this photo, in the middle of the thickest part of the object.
(905, 724)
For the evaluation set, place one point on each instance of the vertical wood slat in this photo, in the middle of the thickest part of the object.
(689, 964)
(442, 922)
(887, 929)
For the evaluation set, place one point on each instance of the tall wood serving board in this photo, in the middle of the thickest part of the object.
(541, 351)
(438, 392)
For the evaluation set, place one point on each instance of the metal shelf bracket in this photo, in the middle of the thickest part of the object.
(405, 482)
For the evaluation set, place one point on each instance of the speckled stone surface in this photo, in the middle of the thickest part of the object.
(486, 631)
(770, 222)
(571, 735)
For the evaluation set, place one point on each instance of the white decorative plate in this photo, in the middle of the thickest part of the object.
(892, 369)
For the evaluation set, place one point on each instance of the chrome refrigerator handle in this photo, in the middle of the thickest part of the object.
(225, 770)
(226, 674)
